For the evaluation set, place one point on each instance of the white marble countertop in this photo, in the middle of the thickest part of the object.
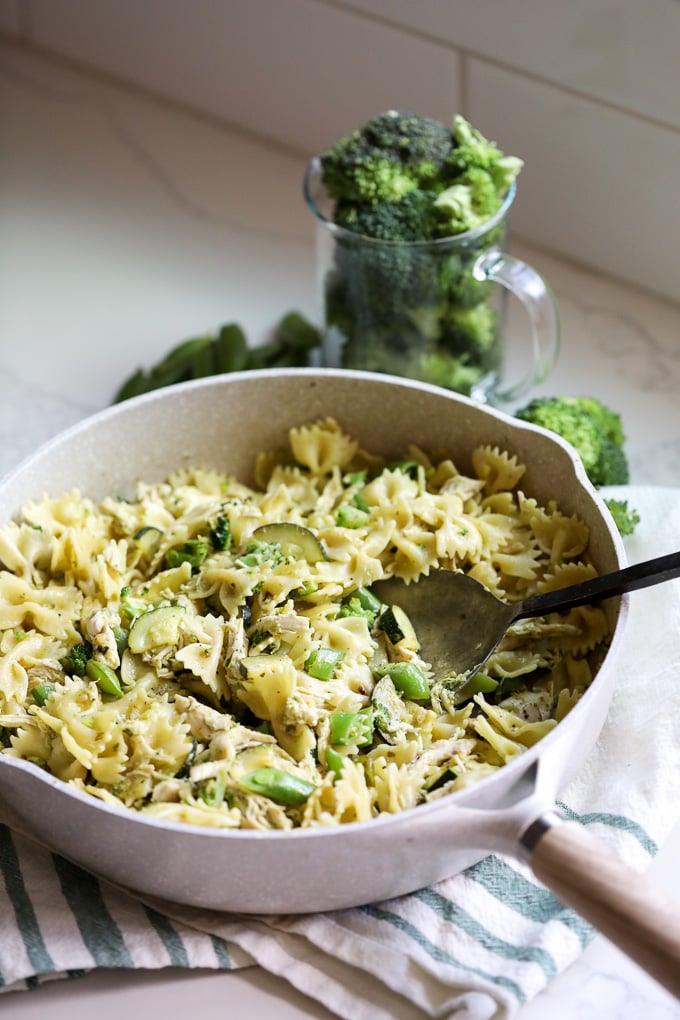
(125, 226)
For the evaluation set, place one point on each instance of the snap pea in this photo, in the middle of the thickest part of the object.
(213, 790)
(278, 785)
(480, 683)
(408, 678)
(335, 761)
(121, 636)
(231, 349)
(323, 663)
(105, 677)
(290, 344)
(352, 728)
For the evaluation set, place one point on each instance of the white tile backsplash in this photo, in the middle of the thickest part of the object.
(293, 70)
(587, 92)
(598, 185)
(623, 52)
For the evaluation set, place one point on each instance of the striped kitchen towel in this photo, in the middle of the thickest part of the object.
(475, 946)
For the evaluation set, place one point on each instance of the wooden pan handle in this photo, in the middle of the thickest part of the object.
(621, 903)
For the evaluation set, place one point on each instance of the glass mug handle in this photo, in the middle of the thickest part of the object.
(538, 300)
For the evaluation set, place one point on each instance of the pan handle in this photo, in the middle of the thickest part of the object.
(621, 903)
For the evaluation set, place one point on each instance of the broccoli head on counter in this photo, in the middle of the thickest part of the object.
(596, 433)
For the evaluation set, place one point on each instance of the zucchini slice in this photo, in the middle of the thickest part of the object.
(395, 624)
(147, 540)
(155, 628)
(294, 541)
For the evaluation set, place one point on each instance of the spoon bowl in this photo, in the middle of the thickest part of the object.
(459, 622)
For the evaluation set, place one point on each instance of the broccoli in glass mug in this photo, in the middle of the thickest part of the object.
(413, 272)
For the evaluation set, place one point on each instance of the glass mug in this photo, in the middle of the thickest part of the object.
(428, 310)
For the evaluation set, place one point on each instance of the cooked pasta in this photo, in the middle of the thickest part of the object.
(210, 653)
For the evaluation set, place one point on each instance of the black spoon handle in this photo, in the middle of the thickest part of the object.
(640, 575)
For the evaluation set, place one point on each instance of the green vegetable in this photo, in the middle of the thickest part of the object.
(335, 761)
(220, 534)
(408, 678)
(105, 677)
(121, 637)
(351, 516)
(361, 602)
(41, 692)
(352, 728)
(231, 349)
(596, 433)
(480, 683)
(130, 607)
(75, 661)
(294, 541)
(278, 785)
(194, 552)
(147, 540)
(260, 552)
(393, 154)
(395, 624)
(212, 790)
(293, 340)
(414, 310)
(625, 517)
(323, 663)
(155, 628)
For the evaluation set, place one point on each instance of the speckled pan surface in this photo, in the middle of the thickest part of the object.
(224, 422)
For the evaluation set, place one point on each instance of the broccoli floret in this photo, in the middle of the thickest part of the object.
(412, 218)
(611, 467)
(596, 432)
(468, 203)
(194, 552)
(391, 155)
(591, 427)
(570, 420)
(75, 660)
(625, 517)
(472, 149)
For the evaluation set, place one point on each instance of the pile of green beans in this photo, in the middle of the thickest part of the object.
(291, 345)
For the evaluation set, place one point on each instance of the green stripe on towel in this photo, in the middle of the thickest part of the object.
(27, 922)
(99, 931)
(174, 946)
(451, 912)
(621, 822)
(221, 953)
(438, 954)
(532, 901)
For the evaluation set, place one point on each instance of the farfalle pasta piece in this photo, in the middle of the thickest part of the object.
(499, 470)
(322, 446)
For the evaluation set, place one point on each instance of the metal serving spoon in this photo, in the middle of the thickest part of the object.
(459, 623)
